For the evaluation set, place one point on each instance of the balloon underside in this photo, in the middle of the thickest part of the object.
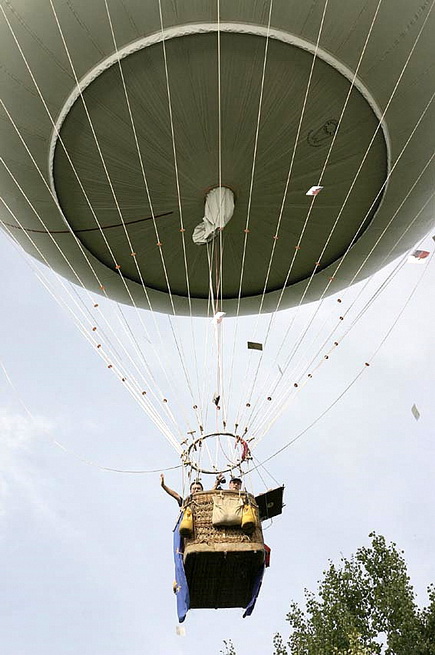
(134, 194)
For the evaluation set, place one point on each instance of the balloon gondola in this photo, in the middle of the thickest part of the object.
(223, 560)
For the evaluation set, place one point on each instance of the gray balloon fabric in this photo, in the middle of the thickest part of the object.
(116, 124)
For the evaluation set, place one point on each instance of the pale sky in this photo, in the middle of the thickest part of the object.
(86, 554)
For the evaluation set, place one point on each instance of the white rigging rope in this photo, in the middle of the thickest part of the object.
(303, 230)
(26, 232)
(180, 209)
(359, 374)
(353, 182)
(283, 382)
(117, 267)
(272, 388)
(80, 184)
(302, 378)
(87, 330)
(307, 89)
(17, 130)
(147, 189)
(251, 188)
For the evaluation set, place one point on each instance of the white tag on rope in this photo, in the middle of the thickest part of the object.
(314, 190)
(217, 318)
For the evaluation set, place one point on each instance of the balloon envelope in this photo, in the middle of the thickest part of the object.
(112, 141)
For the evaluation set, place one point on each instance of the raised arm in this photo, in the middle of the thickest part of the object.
(169, 491)
(218, 481)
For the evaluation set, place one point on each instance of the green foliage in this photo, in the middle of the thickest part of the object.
(366, 605)
(363, 606)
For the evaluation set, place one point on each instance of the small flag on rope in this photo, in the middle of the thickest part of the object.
(253, 345)
(415, 412)
(418, 256)
(314, 190)
(217, 318)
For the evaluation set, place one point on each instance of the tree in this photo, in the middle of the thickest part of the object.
(364, 606)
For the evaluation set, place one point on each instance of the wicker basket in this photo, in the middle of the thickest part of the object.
(222, 563)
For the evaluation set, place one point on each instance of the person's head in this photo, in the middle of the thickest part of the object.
(195, 487)
(235, 484)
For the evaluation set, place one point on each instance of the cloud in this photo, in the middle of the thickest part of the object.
(18, 475)
(30, 490)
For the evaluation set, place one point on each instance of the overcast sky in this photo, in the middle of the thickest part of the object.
(85, 554)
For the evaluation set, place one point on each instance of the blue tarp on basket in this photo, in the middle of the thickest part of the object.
(255, 591)
(181, 588)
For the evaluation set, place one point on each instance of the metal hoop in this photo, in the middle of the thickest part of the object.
(186, 456)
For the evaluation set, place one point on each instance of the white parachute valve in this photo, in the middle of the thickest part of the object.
(219, 208)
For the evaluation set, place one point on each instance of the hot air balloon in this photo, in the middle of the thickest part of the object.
(214, 160)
